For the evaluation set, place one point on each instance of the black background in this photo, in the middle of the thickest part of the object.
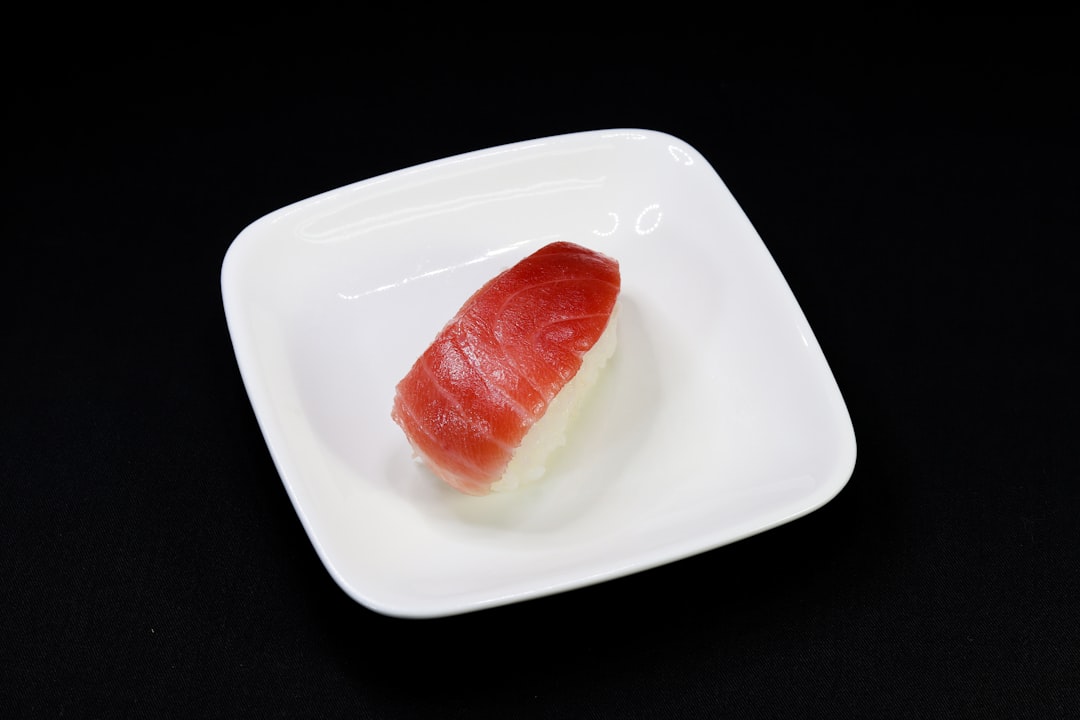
(916, 184)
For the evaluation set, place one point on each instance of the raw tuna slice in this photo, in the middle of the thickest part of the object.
(491, 397)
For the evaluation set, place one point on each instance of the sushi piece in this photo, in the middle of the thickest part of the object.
(491, 397)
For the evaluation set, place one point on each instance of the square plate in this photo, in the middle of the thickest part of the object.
(717, 418)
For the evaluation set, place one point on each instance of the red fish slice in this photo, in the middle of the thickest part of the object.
(493, 370)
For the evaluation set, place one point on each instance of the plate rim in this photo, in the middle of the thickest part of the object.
(246, 241)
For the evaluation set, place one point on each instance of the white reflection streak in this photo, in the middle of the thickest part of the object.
(405, 281)
(614, 226)
(645, 231)
(438, 271)
(680, 155)
(476, 156)
(409, 214)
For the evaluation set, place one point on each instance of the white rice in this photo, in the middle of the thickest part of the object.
(529, 462)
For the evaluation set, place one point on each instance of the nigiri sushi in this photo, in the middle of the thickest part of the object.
(492, 396)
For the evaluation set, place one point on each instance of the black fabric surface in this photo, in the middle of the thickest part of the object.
(917, 190)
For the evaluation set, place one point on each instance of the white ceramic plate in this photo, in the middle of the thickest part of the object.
(717, 418)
